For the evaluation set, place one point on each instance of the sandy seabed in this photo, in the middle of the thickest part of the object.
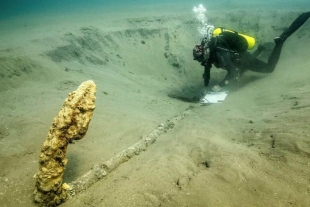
(251, 150)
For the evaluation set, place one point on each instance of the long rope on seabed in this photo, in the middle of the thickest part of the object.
(102, 169)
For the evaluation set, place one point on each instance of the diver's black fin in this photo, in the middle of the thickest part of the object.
(298, 22)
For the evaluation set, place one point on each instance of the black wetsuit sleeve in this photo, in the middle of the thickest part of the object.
(206, 74)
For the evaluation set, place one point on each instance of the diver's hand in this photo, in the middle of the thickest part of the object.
(201, 95)
(204, 91)
(216, 88)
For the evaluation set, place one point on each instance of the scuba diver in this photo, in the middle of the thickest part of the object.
(227, 49)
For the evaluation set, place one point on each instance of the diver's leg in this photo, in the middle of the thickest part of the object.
(250, 62)
(275, 54)
(274, 57)
(294, 26)
(258, 51)
(254, 64)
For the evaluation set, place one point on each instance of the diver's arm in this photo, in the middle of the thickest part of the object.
(224, 82)
(206, 74)
(232, 73)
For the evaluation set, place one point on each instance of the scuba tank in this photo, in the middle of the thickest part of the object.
(234, 40)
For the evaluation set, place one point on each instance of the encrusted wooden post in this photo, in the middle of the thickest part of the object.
(70, 124)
